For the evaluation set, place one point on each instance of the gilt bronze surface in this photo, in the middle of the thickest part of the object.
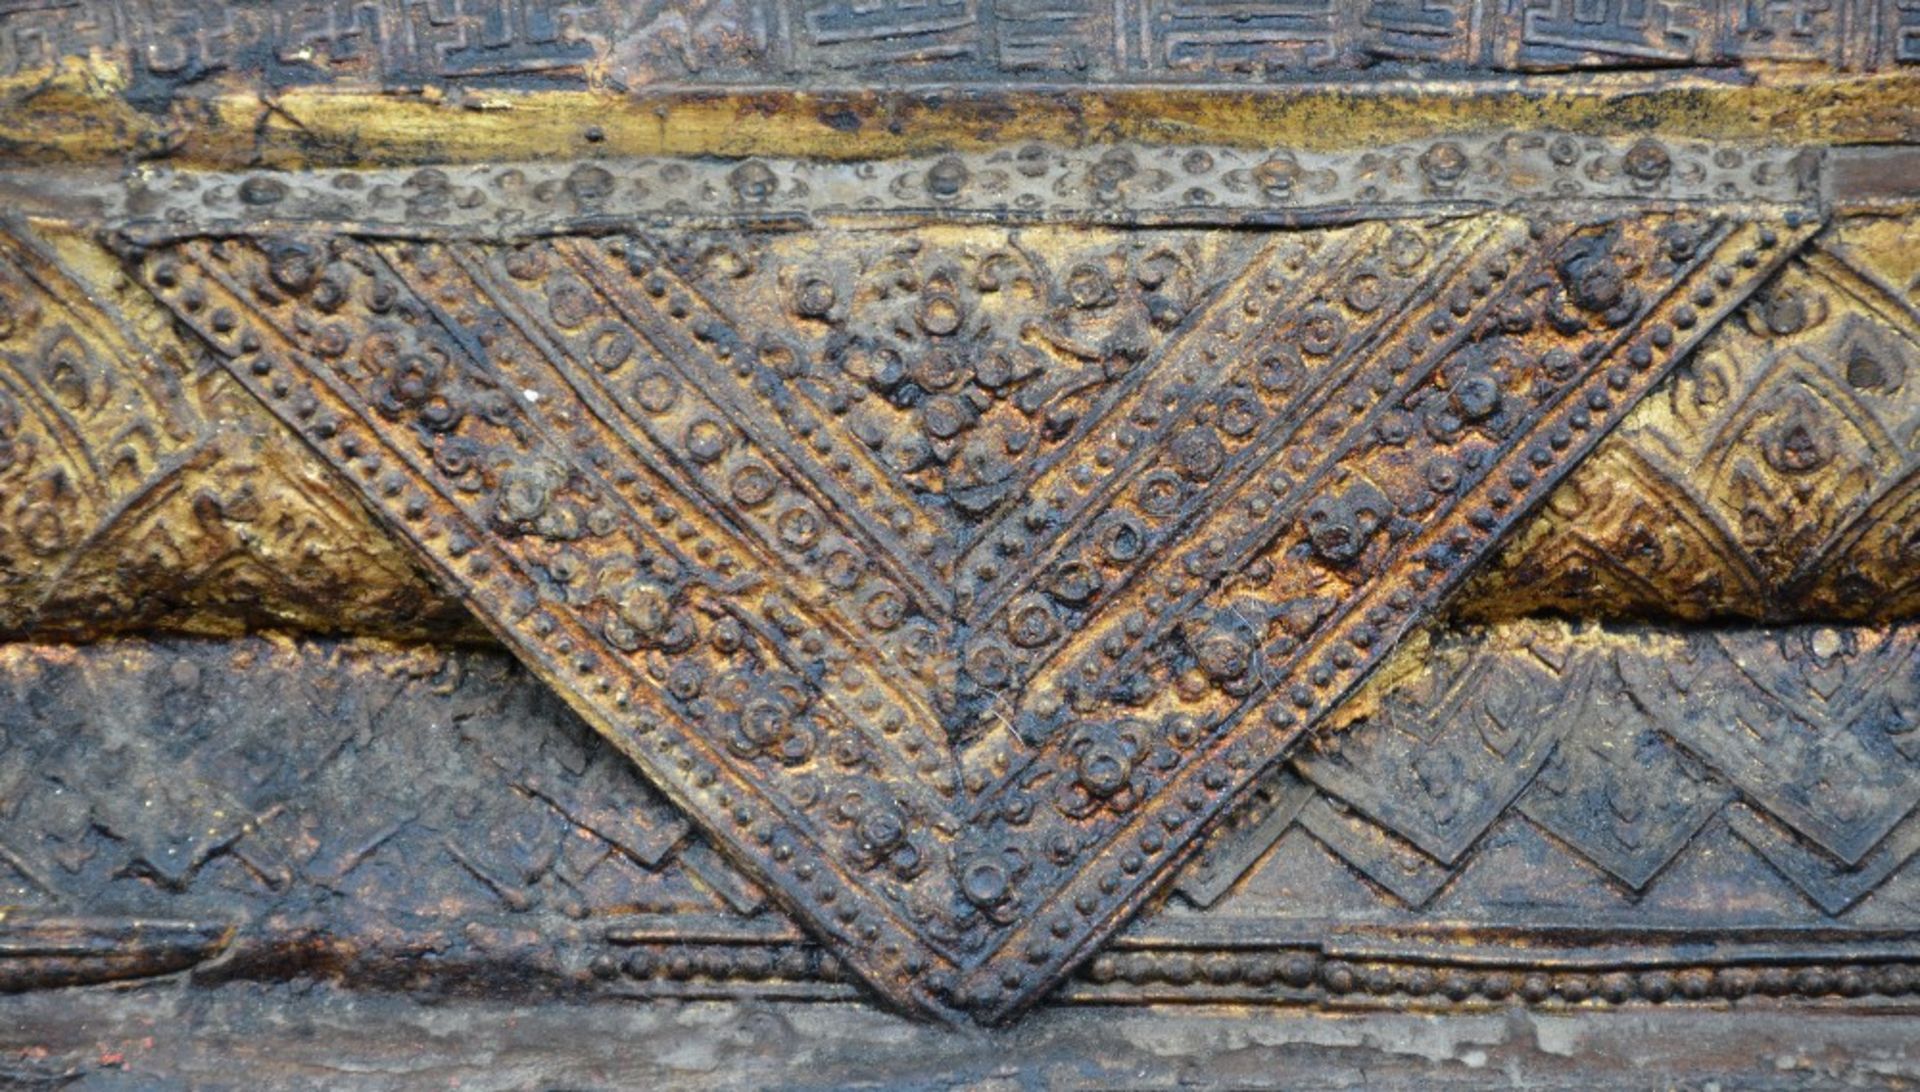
(975, 509)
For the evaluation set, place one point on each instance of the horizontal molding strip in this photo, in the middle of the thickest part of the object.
(1123, 184)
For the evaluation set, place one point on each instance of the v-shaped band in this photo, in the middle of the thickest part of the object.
(956, 579)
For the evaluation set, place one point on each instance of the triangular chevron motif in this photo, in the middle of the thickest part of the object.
(956, 578)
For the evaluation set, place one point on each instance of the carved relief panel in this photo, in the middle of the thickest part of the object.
(962, 506)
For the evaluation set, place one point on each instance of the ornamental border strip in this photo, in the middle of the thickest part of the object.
(1148, 185)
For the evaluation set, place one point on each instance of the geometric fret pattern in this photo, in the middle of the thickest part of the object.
(574, 43)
